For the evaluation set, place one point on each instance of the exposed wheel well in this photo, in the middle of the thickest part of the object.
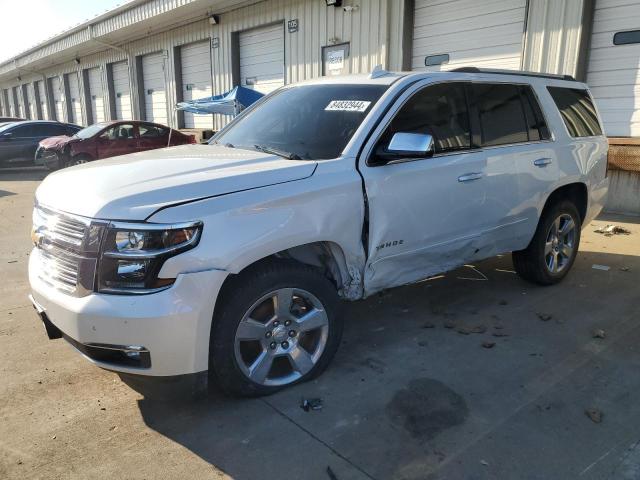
(326, 256)
(575, 192)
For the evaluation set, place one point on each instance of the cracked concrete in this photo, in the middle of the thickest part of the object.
(405, 398)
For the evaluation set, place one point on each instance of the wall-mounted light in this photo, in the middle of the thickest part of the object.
(334, 3)
(77, 60)
(214, 19)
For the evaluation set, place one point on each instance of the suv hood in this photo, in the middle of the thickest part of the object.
(134, 186)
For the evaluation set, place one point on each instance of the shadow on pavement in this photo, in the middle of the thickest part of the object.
(23, 174)
(413, 393)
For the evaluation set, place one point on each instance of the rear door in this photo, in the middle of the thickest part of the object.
(152, 136)
(117, 140)
(426, 215)
(513, 140)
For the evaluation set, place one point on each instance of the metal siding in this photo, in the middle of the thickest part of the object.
(197, 80)
(122, 91)
(483, 34)
(96, 93)
(155, 88)
(262, 58)
(613, 72)
(366, 28)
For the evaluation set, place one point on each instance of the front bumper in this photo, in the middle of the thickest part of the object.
(173, 325)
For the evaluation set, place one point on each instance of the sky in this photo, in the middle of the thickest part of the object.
(26, 23)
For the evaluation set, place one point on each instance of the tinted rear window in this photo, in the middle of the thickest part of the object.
(502, 119)
(577, 110)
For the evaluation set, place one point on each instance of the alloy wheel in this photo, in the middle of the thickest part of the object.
(281, 337)
(560, 243)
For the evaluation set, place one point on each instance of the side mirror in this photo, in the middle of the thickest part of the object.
(411, 145)
(406, 146)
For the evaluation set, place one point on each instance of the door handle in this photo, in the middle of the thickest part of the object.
(469, 177)
(542, 162)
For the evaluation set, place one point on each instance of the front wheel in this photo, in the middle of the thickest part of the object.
(554, 246)
(277, 324)
(78, 160)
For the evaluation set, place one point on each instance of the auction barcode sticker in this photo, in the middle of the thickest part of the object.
(348, 105)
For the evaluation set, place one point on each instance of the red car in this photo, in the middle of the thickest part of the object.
(107, 139)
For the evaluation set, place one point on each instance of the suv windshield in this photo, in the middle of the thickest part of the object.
(309, 122)
(90, 131)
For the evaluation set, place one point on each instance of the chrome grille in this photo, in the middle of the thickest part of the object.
(60, 228)
(59, 270)
(59, 240)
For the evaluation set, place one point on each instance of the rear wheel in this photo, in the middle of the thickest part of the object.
(554, 247)
(277, 325)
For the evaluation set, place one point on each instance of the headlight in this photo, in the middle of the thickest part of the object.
(133, 254)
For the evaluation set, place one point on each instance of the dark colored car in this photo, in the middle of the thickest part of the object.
(108, 139)
(19, 140)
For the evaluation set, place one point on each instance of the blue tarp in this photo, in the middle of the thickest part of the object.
(230, 103)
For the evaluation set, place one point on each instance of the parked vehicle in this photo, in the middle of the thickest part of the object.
(19, 140)
(233, 257)
(107, 139)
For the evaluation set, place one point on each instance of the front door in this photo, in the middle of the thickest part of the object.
(117, 140)
(427, 215)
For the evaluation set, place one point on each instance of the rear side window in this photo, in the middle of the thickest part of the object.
(502, 118)
(577, 110)
(49, 130)
(438, 110)
(536, 125)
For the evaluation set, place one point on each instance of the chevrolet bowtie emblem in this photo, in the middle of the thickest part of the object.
(37, 237)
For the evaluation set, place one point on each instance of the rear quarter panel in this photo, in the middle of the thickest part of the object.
(577, 159)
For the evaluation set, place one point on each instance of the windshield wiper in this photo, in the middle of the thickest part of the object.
(276, 151)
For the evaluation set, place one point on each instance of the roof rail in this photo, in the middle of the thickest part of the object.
(513, 72)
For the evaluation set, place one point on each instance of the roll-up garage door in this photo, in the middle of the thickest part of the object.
(56, 87)
(74, 94)
(11, 102)
(43, 100)
(17, 95)
(613, 71)
(155, 94)
(262, 58)
(31, 95)
(196, 80)
(96, 94)
(467, 33)
(122, 90)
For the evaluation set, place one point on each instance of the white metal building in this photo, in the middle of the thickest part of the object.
(140, 59)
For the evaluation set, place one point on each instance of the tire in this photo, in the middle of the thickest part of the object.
(547, 260)
(78, 160)
(243, 352)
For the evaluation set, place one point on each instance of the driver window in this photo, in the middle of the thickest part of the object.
(440, 111)
(119, 132)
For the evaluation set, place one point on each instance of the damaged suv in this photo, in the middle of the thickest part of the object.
(233, 257)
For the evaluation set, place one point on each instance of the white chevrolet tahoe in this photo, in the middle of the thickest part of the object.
(233, 257)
